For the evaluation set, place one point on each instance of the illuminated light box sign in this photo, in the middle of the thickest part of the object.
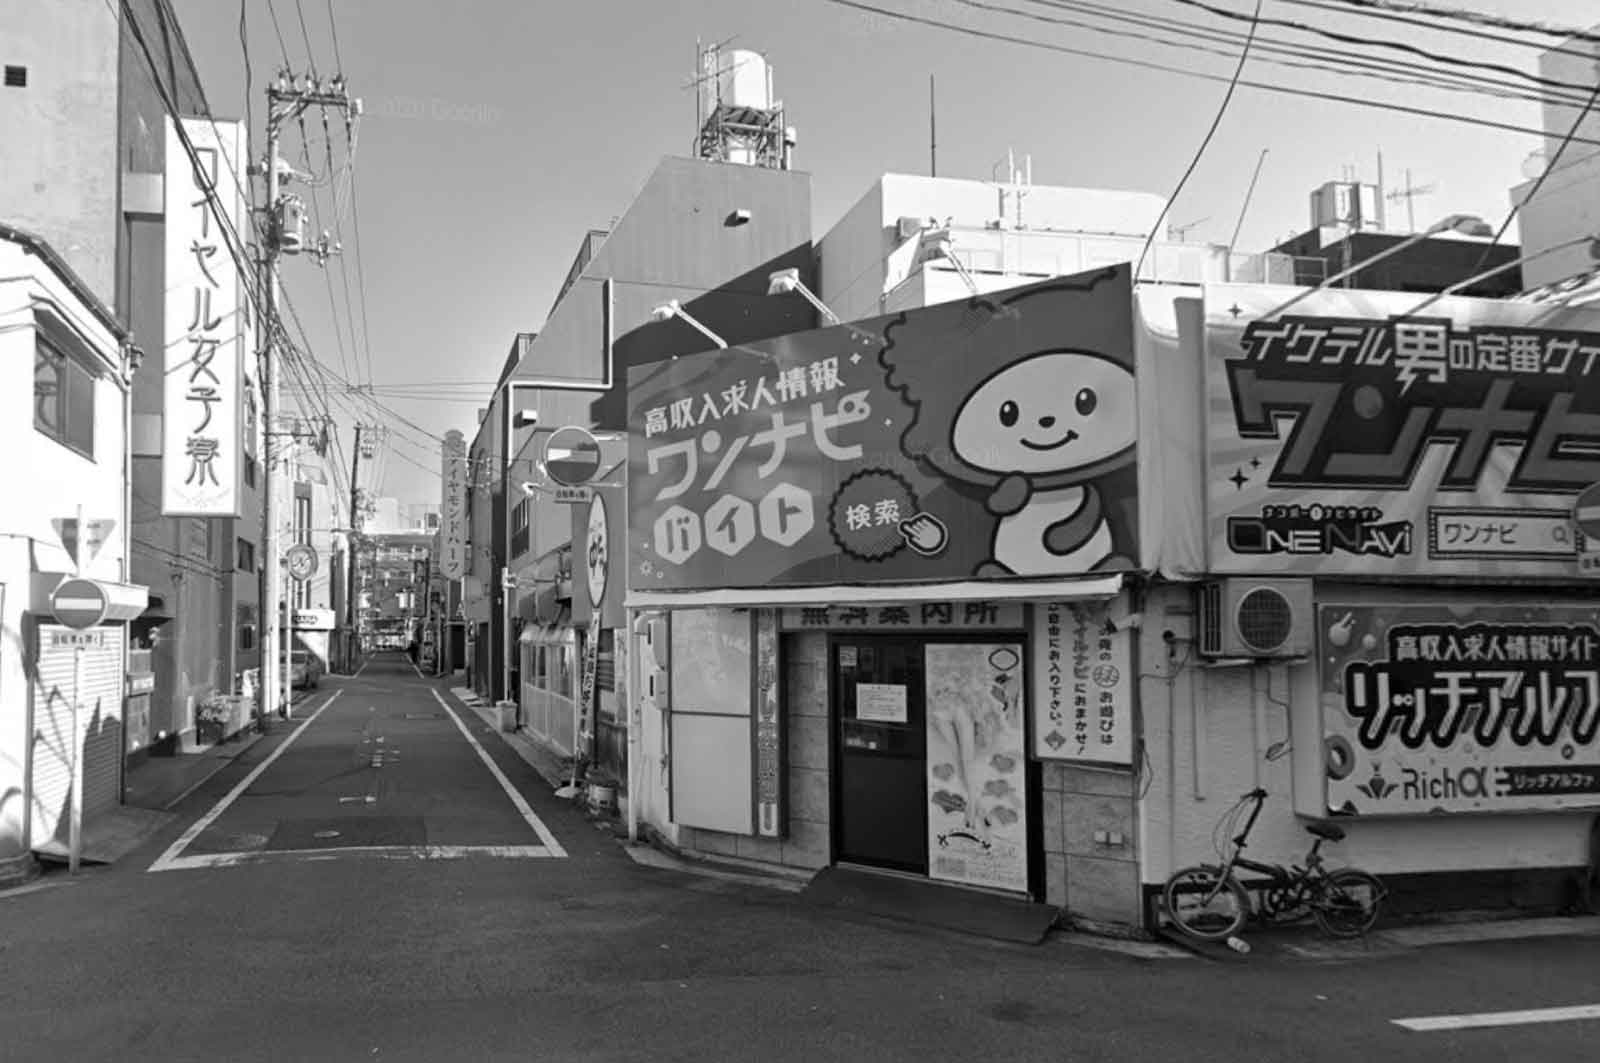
(989, 438)
(1341, 440)
(1467, 708)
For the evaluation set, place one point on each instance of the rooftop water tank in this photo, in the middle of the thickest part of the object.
(740, 79)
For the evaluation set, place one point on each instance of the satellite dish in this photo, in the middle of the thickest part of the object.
(1533, 165)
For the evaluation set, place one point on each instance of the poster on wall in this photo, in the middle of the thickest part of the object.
(1347, 437)
(990, 438)
(977, 810)
(1460, 708)
(1083, 685)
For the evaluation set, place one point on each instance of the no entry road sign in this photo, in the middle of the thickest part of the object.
(79, 603)
(571, 456)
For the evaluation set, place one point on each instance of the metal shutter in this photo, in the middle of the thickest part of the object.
(101, 699)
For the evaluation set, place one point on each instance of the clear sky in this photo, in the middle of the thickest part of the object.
(498, 131)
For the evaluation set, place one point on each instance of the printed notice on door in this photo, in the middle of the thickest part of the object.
(882, 702)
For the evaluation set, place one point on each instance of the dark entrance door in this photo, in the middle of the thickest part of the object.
(880, 767)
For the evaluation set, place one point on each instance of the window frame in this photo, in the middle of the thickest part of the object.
(69, 370)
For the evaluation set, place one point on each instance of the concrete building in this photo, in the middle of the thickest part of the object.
(67, 375)
(1566, 206)
(913, 241)
(85, 162)
(87, 158)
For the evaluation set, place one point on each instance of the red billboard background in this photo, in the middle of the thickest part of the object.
(989, 438)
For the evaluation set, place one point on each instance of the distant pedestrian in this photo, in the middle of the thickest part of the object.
(411, 651)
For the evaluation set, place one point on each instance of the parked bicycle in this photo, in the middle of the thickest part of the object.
(1210, 901)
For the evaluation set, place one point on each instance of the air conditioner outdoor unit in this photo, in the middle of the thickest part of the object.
(1259, 618)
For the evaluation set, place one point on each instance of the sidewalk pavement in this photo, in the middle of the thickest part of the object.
(161, 783)
(1295, 943)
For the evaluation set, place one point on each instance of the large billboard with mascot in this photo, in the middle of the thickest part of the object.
(991, 438)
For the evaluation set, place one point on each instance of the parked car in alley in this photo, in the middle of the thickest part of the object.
(304, 669)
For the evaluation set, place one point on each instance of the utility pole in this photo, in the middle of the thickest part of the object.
(287, 99)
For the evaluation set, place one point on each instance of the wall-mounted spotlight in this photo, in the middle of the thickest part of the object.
(784, 281)
(673, 308)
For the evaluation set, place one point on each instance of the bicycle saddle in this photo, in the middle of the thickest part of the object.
(1326, 831)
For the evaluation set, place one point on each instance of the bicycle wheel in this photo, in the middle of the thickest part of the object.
(1206, 904)
(1349, 903)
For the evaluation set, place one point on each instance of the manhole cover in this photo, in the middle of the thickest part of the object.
(326, 834)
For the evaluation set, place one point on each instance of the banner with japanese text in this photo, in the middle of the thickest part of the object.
(988, 438)
(208, 318)
(1083, 685)
(453, 506)
(1349, 437)
(1461, 708)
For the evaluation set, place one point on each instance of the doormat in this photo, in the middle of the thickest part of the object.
(339, 832)
(923, 901)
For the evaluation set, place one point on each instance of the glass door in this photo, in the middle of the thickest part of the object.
(880, 765)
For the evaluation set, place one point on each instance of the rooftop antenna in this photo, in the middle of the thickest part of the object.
(1409, 192)
(933, 137)
(1233, 240)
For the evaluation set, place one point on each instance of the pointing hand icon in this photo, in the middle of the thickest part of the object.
(925, 534)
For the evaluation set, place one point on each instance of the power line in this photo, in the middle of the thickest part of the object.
(1205, 143)
(1478, 18)
(1539, 183)
(1437, 27)
(1286, 90)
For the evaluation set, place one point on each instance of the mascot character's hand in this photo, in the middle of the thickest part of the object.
(1010, 496)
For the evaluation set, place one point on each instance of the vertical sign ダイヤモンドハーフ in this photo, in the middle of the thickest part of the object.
(207, 324)
(453, 510)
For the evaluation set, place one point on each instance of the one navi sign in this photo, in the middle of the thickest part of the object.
(1586, 515)
(571, 456)
(79, 603)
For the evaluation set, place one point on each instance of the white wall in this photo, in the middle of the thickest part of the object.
(1207, 732)
(851, 257)
(1567, 207)
(44, 480)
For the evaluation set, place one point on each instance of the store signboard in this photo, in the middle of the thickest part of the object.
(977, 789)
(934, 444)
(207, 320)
(1349, 438)
(453, 507)
(1083, 686)
(914, 616)
(767, 776)
(1462, 708)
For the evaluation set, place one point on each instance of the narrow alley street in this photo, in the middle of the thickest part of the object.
(465, 913)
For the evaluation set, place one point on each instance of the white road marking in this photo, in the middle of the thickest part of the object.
(389, 852)
(414, 668)
(168, 860)
(1574, 1013)
(505, 784)
(357, 673)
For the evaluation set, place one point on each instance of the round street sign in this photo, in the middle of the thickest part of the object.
(596, 549)
(301, 561)
(79, 603)
(571, 456)
(1586, 511)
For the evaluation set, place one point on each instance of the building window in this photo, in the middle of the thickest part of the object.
(247, 637)
(63, 399)
(245, 560)
(16, 77)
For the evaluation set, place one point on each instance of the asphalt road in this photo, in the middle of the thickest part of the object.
(437, 921)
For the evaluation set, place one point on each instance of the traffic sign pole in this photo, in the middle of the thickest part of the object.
(75, 815)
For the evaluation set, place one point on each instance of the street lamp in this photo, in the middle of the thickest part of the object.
(784, 281)
(1465, 224)
(671, 309)
(1594, 253)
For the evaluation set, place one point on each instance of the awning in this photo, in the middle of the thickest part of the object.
(125, 601)
(1094, 588)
